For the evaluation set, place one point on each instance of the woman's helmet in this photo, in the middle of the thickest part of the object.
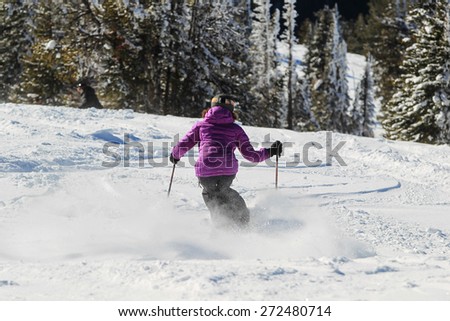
(227, 101)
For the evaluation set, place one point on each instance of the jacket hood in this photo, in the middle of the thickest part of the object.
(219, 115)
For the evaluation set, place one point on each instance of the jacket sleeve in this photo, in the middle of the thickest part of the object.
(189, 140)
(247, 150)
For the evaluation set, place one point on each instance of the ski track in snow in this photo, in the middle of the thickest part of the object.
(72, 229)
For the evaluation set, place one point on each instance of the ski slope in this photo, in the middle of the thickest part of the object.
(85, 216)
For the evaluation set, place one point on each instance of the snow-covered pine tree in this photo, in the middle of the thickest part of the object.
(277, 91)
(128, 64)
(15, 43)
(48, 71)
(196, 87)
(304, 119)
(290, 79)
(363, 109)
(443, 100)
(386, 29)
(316, 63)
(245, 16)
(149, 18)
(219, 59)
(337, 100)
(355, 34)
(356, 113)
(84, 33)
(416, 110)
(120, 62)
(263, 108)
(175, 51)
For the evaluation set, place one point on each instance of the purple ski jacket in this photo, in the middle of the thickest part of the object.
(217, 136)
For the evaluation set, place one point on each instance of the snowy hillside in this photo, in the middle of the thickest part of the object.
(80, 221)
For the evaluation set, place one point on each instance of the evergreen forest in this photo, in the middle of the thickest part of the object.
(171, 56)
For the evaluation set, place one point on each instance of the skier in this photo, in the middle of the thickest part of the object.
(88, 96)
(218, 136)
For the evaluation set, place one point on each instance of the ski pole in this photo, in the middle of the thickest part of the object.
(171, 180)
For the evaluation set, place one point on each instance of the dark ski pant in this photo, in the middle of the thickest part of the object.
(224, 203)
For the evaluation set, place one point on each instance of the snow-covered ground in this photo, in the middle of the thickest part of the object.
(78, 224)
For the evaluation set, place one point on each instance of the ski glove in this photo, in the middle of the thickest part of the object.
(276, 149)
(173, 160)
